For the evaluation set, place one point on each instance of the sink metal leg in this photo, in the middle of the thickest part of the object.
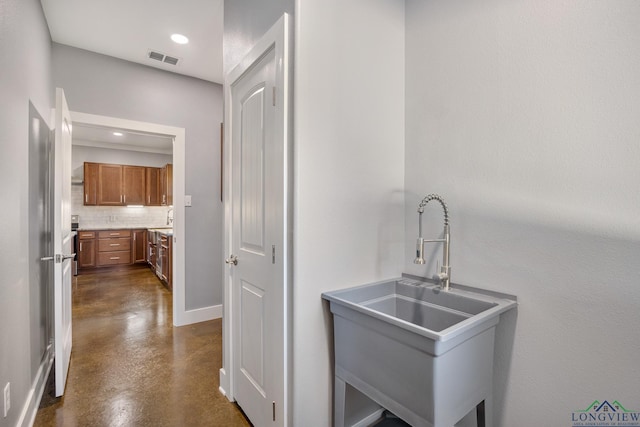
(339, 398)
(484, 413)
(480, 414)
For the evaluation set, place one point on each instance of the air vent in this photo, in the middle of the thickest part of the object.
(157, 56)
(170, 60)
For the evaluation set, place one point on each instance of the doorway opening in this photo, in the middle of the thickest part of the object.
(180, 315)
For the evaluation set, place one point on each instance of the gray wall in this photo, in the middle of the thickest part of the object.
(25, 56)
(99, 84)
(524, 116)
(81, 154)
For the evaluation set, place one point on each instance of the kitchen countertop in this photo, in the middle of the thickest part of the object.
(162, 229)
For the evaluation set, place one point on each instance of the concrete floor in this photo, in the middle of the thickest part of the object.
(131, 367)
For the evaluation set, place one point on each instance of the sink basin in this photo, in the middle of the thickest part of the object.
(422, 353)
(421, 307)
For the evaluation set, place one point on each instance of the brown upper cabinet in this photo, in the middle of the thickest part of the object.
(133, 185)
(166, 184)
(153, 190)
(119, 185)
(90, 184)
(110, 184)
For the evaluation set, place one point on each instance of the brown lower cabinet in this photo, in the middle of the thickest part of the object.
(86, 249)
(114, 247)
(105, 248)
(139, 246)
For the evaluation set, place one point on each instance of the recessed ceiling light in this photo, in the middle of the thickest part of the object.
(117, 133)
(179, 38)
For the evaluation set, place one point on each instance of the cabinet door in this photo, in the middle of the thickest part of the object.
(87, 253)
(138, 248)
(110, 184)
(169, 184)
(166, 184)
(133, 185)
(90, 184)
(153, 193)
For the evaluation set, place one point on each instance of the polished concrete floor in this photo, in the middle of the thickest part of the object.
(131, 367)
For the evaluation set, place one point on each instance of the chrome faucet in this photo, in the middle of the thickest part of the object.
(170, 216)
(444, 276)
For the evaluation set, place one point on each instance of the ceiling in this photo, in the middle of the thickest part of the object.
(103, 137)
(129, 29)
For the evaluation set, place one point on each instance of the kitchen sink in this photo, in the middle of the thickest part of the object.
(423, 353)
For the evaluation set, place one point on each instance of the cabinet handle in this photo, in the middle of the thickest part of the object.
(114, 257)
(86, 197)
(80, 246)
(121, 199)
(114, 244)
(114, 234)
(149, 198)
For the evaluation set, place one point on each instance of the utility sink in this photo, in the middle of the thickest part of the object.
(421, 307)
(422, 353)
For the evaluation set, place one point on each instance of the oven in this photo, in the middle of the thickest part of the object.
(75, 220)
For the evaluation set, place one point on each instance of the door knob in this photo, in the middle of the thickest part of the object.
(61, 257)
(232, 260)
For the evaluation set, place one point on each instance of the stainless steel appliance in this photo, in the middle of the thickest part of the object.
(154, 252)
(75, 222)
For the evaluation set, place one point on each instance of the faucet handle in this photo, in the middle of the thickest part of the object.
(441, 274)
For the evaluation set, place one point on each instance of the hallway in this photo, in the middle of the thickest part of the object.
(131, 367)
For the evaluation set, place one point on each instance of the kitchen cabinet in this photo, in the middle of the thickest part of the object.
(133, 185)
(90, 184)
(109, 184)
(152, 187)
(86, 249)
(118, 185)
(114, 247)
(166, 184)
(139, 246)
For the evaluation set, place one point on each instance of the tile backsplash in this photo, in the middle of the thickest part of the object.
(115, 216)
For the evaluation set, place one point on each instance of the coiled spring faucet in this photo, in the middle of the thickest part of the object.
(444, 276)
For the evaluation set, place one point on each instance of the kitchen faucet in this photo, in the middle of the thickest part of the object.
(444, 276)
(170, 216)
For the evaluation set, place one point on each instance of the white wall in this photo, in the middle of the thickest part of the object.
(25, 61)
(245, 22)
(81, 154)
(349, 171)
(524, 116)
(102, 85)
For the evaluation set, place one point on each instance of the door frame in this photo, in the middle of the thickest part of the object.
(180, 314)
(280, 35)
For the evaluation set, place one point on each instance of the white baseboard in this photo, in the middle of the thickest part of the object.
(30, 408)
(202, 314)
(223, 384)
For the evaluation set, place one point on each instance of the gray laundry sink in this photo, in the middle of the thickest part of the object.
(422, 353)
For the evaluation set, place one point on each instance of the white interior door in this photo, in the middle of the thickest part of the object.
(258, 262)
(62, 241)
